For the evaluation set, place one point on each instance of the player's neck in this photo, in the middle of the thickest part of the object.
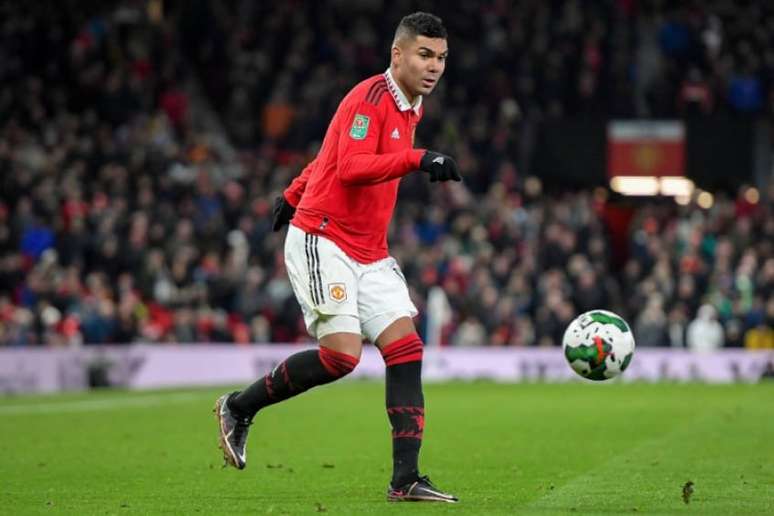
(411, 98)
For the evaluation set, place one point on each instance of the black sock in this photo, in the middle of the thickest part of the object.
(405, 406)
(298, 373)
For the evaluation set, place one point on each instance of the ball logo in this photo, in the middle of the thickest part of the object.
(337, 292)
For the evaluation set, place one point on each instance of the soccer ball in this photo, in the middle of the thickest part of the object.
(598, 345)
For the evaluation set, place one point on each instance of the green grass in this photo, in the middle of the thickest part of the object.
(503, 449)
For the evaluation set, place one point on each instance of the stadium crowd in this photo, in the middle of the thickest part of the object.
(620, 58)
(119, 224)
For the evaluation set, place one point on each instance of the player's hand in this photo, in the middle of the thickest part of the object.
(283, 212)
(440, 167)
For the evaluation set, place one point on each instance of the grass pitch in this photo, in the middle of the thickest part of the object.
(503, 449)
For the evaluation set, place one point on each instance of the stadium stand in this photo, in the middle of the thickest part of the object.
(122, 220)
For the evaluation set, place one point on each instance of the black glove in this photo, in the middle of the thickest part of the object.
(440, 167)
(282, 213)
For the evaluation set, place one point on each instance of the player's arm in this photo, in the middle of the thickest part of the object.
(296, 189)
(285, 205)
(359, 164)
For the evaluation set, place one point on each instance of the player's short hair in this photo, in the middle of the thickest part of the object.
(420, 24)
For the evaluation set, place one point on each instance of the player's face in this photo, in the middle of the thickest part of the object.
(420, 62)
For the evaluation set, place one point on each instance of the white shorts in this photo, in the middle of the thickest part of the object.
(338, 294)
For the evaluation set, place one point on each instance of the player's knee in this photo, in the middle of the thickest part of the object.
(338, 364)
(403, 350)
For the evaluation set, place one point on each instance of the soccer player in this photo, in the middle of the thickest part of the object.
(336, 254)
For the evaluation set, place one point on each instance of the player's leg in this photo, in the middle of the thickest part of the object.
(336, 357)
(334, 323)
(401, 349)
(386, 311)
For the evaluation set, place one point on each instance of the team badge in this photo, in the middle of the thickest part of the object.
(359, 127)
(337, 292)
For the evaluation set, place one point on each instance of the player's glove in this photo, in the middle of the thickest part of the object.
(283, 212)
(440, 167)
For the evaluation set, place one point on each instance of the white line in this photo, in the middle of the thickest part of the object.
(101, 404)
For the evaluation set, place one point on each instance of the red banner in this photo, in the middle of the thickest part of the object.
(645, 148)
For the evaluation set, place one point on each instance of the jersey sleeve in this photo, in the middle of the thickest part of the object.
(296, 189)
(359, 164)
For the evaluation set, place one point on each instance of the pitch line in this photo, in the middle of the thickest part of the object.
(149, 400)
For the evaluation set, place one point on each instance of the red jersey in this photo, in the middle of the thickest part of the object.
(348, 192)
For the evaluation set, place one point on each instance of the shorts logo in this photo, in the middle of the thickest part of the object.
(359, 127)
(337, 292)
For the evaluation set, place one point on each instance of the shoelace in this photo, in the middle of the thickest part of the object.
(426, 480)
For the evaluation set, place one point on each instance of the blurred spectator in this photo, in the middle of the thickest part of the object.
(705, 333)
(677, 326)
(470, 332)
(696, 96)
(650, 327)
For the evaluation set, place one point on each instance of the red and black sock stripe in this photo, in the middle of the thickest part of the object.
(337, 363)
(407, 349)
(405, 405)
(416, 414)
(299, 373)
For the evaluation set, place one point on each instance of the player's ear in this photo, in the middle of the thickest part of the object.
(395, 54)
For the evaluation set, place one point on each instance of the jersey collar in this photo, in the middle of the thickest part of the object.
(397, 95)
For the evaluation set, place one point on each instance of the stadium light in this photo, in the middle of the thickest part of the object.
(752, 195)
(683, 200)
(635, 185)
(675, 186)
(671, 186)
(705, 200)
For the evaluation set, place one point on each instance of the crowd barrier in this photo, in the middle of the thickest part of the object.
(25, 370)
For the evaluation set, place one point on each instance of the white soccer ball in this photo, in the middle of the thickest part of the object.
(598, 345)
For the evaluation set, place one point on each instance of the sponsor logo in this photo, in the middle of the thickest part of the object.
(395, 134)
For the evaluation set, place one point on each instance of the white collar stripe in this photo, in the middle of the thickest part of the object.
(400, 98)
